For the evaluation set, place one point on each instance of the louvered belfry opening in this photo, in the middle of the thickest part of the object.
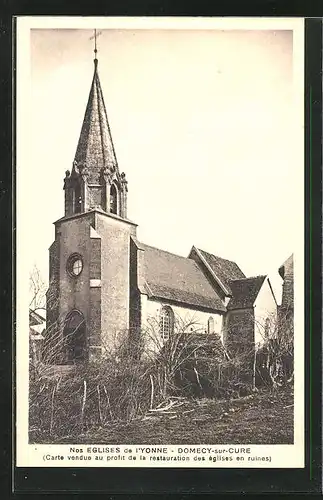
(113, 199)
(77, 198)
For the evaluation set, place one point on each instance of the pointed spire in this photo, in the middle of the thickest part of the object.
(95, 148)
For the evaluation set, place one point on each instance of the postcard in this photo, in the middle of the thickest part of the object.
(160, 242)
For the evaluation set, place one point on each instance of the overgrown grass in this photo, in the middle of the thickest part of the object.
(262, 418)
(141, 391)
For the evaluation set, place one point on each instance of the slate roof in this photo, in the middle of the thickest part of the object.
(245, 292)
(225, 270)
(180, 279)
(36, 332)
(287, 268)
(95, 147)
(35, 318)
(37, 325)
(286, 271)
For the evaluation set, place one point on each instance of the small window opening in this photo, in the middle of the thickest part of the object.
(113, 199)
(74, 265)
(210, 325)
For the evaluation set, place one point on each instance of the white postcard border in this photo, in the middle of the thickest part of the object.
(28, 455)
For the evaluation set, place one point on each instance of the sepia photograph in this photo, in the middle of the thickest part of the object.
(160, 237)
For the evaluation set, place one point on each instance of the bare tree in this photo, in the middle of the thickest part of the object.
(275, 355)
(136, 374)
(37, 290)
(130, 378)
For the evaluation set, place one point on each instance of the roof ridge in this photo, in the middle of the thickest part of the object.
(167, 251)
(216, 256)
(249, 277)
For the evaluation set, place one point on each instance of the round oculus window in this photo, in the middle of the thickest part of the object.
(75, 265)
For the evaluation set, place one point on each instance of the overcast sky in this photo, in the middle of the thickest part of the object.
(202, 124)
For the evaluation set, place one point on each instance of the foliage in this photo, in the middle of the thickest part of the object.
(275, 357)
(67, 400)
(136, 374)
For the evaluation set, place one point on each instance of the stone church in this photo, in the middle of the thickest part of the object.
(103, 280)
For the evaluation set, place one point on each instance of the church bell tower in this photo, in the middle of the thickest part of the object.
(89, 262)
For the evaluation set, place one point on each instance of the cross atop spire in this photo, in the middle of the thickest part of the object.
(95, 49)
(94, 37)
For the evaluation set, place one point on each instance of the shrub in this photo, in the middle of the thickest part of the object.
(138, 373)
(67, 401)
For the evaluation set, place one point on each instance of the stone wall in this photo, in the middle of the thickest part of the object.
(239, 330)
(183, 314)
(115, 274)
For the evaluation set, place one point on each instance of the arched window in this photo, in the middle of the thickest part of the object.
(77, 198)
(113, 199)
(267, 327)
(210, 325)
(75, 337)
(166, 322)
